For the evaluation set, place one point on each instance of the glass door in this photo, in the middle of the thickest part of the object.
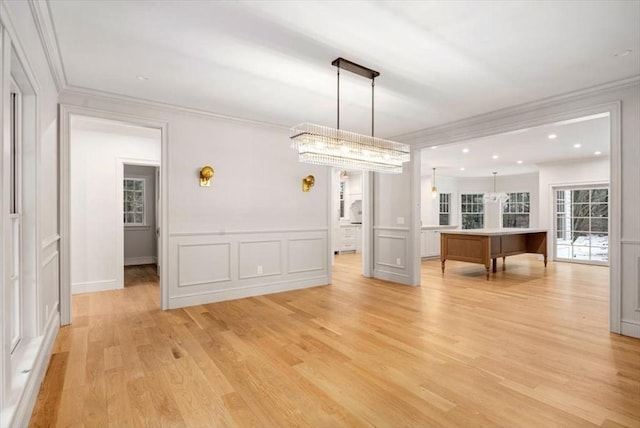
(582, 225)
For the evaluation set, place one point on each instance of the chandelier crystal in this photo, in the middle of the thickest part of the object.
(322, 145)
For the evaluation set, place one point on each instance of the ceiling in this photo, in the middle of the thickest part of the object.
(532, 146)
(270, 61)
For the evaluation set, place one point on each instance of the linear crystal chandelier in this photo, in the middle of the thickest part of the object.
(494, 196)
(322, 145)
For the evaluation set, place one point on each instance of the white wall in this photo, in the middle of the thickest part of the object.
(459, 185)
(99, 148)
(18, 389)
(505, 183)
(140, 241)
(586, 172)
(396, 224)
(430, 205)
(253, 231)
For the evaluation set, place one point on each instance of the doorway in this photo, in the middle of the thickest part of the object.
(140, 218)
(95, 147)
(581, 229)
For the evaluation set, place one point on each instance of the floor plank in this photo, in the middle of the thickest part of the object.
(528, 348)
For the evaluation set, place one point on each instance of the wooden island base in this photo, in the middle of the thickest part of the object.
(486, 245)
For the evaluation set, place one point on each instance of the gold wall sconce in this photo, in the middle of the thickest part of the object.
(308, 182)
(206, 174)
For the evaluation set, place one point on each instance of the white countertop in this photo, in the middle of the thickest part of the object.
(495, 232)
(437, 227)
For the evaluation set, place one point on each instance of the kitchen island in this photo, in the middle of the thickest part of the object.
(485, 245)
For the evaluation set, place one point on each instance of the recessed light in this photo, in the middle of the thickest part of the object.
(141, 77)
(434, 147)
(519, 162)
(465, 150)
(462, 169)
(598, 153)
(577, 145)
(623, 53)
(495, 156)
(552, 136)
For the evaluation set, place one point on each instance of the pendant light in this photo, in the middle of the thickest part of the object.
(495, 196)
(323, 145)
(434, 189)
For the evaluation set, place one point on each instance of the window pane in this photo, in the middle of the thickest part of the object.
(444, 219)
(599, 210)
(580, 210)
(581, 253)
(580, 238)
(138, 184)
(600, 195)
(128, 218)
(128, 184)
(599, 225)
(578, 196)
(138, 218)
(580, 224)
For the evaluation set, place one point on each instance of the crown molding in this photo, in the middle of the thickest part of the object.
(46, 32)
(72, 90)
(421, 138)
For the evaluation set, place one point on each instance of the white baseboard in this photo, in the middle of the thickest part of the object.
(148, 260)
(24, 407)
(630, 328)
(393, 277)
(93, 286)
(246, 291)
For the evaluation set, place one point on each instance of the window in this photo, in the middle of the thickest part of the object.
(445, 209)
(134, 211)
(15, 217)
(582, 225)
(472, 211)
(515, 212)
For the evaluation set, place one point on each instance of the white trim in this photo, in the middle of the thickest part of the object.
(46, 32)
(402, 229)
(245, 291)
(134, 261)
(94, 286)
(510, 118)
(65, 111)
(50, 241)
(29, 395)
(72, 90)
(630, 328)
(630, 242)
(245, 232)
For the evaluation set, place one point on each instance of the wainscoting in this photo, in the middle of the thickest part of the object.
(214, 266)
(392, 252)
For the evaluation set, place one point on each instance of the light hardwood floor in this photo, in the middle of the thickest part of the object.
(528, 348)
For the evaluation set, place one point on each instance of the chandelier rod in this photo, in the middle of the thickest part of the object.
(361, 71)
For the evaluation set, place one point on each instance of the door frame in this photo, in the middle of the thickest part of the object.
(541, 113)
(121, 162)
(64, 114)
